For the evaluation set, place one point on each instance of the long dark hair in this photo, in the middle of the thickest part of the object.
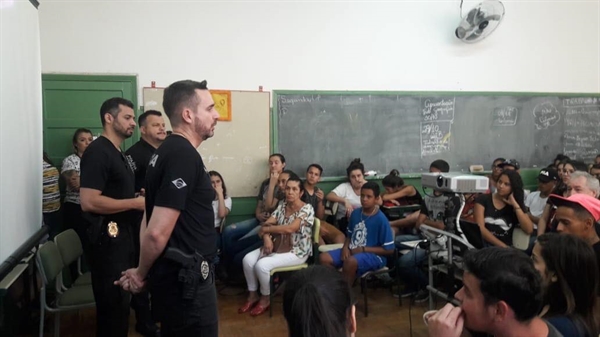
(217, 174)
(573, 294)
(393, 180)
(317, 303)
(516, 186)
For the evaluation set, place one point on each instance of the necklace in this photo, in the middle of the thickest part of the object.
(375, 209)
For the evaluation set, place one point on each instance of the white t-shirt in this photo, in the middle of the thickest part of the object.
(215, 205)
(535, 204)
(345, 191)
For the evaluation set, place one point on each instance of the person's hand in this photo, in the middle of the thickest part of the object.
(75, 182)
(320, 195)
(349, 208)
(395, 202)
(219, 190)
(345, 253)
(139, 203)
(131, 281)
(267, 245)
(262, 217)
(274, 178)
(447, 322)
(511, 201)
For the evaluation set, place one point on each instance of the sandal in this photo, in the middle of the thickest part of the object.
(244, 309)
(259, 310)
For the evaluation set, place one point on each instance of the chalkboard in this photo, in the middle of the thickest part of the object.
(408, 130)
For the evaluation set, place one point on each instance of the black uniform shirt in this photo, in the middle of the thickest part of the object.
(140, 154)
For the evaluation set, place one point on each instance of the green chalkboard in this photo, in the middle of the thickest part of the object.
(408, 130)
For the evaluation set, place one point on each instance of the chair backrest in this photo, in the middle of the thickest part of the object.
(316, 230)
(69, 246)
(331, 208)
(49, 261)
(472, 233)
(520, 239)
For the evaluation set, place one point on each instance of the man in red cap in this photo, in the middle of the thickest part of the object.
(577, 215)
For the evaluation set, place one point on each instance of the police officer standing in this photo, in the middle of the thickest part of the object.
(179, 242)
(110, 209)
(153, 133)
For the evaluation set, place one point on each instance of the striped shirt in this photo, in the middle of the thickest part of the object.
(50, 191)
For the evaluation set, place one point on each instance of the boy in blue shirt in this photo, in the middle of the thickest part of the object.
(369, 238)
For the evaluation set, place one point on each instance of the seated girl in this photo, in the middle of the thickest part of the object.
(398, 194)
(497, 214)
(569, 282)
(287, 241)
(241, 237)
(347, 194)
(317, 302)
(221, 204)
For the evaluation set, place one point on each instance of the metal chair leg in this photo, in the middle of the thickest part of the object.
(42, 310)
(57, 324)
(364, 286)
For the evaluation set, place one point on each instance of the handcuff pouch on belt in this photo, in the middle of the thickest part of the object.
(195, 269)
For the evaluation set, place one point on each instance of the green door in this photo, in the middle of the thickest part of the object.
(73, 101)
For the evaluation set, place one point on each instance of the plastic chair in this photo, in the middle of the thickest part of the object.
(392, 263)
(71, 250)
(520, 239)
(315, 257)
(50, 266)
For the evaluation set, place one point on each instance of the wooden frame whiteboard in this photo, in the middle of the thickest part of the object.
(240, 148)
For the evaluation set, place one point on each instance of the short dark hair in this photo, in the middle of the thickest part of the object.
(144, 116)
(317, 166)
(355, 164)
(217, 174)
(393, 180)
(317, 303)
(373, 186)
(281, 157)
(111, 106)
(441, 165)
(577, 165)
(295, 177)
(180, 95)
(508, 275)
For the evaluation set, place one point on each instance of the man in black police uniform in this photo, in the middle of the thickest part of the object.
(111, 210)
(179, 241)
(153, 133)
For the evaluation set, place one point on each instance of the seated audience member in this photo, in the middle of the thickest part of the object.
(536, 201)
(561, 187)
(597, 160)
(567, 265)
(50, 197)
(559, 158)
(510, 164)
(240, 238)
(432, 212)
(496, 170)
(399, 194)
(222, 203)
(595, 171)
(579, 183)
(501, 296)
(577, 215)
(569, 167)
(369, 238)
(314, 196)
(287, 241)
(347, 195)
(499, 213)
(317, 302)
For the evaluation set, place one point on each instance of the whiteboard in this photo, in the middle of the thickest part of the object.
(20, 125)
(240, 148)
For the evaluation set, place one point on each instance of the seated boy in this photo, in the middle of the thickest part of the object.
(369, 238)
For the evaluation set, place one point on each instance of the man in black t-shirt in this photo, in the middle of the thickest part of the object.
(152, 129)
(111, 211)
(153, 133)
(179, 242)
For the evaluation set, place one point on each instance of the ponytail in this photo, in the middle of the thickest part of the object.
(393, 180)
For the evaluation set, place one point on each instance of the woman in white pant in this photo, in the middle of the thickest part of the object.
(294, 218)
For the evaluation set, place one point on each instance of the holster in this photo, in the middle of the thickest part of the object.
(195, 269)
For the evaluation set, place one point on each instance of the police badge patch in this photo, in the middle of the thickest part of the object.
(113, 229)
(204, 270)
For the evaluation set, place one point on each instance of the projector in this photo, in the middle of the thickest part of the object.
(455, 182)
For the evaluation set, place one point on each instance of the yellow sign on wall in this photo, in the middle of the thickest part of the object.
(222, 100)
